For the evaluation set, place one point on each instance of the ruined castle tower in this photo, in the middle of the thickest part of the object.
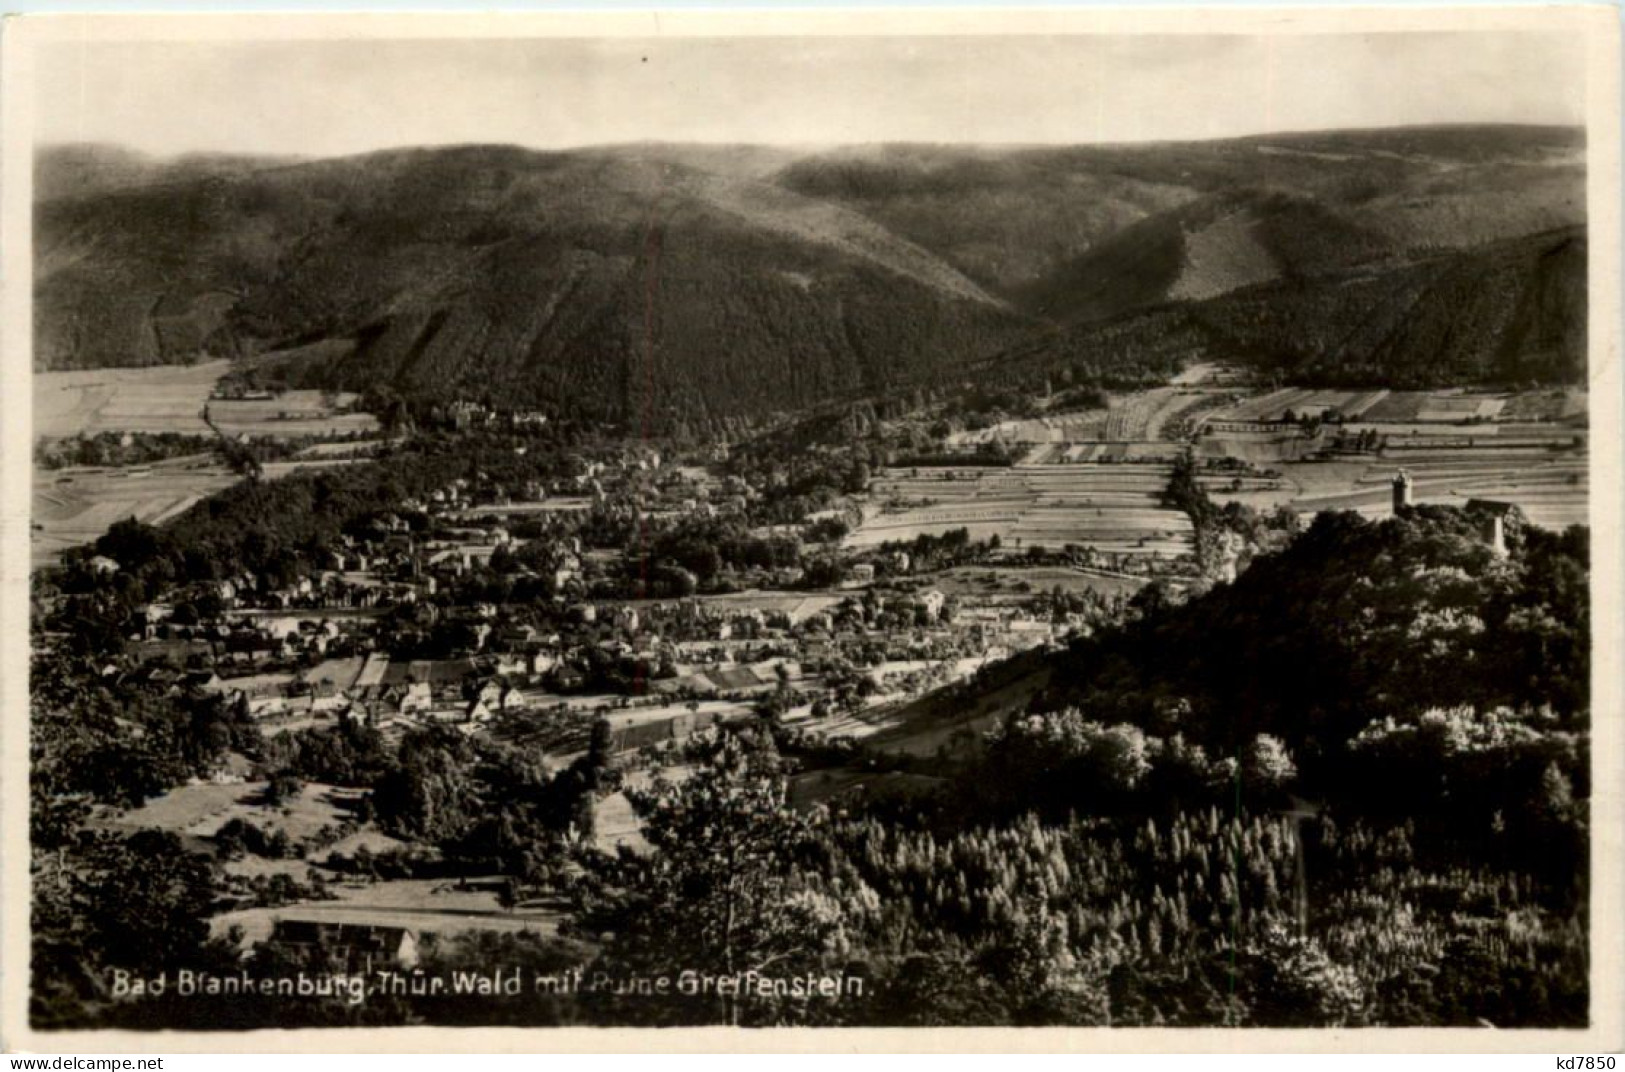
(1402, 490)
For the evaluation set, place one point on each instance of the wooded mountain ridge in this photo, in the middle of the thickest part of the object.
(651, 284)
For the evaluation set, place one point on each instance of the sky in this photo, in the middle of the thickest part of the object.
(324, 98)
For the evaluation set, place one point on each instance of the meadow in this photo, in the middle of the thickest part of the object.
(74, 506)
(171, 398)
(200, 811)
(427, 906)
(1094, 477)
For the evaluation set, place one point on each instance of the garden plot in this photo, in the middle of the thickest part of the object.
(798, 607)
(1172, 415)
(721, 710)
(1133, 417)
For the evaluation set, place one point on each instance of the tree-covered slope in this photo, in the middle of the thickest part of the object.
(670, 284)
(614, 284)
(1088, 232)
(1356, 621)
(1510, 312)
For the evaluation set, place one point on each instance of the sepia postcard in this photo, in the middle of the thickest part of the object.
(1086, 529)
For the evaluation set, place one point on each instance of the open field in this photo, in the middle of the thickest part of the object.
(273, 470)
(616, 824)
(1013, 584)
(1551, 489)
(1382, 407)
(556, 505)
(799, 606)
(1527, 448)
(171, 398)
(1557, 404)
(201, 810)
(832, 787)
(941, 720)
(76, 505)
(294, 413)
(1087, 453)
(162, 398)
(438, 906)
(1093, 478)
(1111, 507)
(1301, 401)
(342, 449)
(1138, 417)
(1203, 373)
(1065, 427)
(1553, 495)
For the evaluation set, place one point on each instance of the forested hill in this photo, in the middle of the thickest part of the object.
(610, 285)
(665, 284)
(1355, 622)
(1508, 312)
(1090, 231)
(81, 169)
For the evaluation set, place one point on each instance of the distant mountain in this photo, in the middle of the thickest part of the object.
(616, 284)
(1088, 232)
(1512, 311)
(89, 168)
(663, 284)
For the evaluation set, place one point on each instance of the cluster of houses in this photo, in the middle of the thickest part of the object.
(465, 416)
(347, 637)
(297, 669)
